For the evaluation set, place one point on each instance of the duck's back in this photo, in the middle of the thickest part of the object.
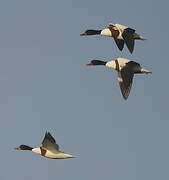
(122, 61)
(121, 27)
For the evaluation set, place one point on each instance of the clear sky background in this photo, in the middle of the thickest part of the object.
(45, 85)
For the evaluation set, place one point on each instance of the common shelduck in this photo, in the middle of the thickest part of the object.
(121, 34)
(48, 149)
(126, 70)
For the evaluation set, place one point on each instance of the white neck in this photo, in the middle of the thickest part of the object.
(106, 32)
(36, 150)
(111, 64)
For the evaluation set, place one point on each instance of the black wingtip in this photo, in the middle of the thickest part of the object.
(125, 91)
(125, 98)
(131, 50)
(130, 46)
(125, 95)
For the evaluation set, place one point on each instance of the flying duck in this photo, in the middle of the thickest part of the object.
(126, 70)
(121, 34)
(48, 149)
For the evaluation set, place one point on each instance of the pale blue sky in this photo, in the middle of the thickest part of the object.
(45, 85)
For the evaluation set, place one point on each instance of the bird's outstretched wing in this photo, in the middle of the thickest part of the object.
(50, 143)
(119, 43)
(125, 78)
(128, 36)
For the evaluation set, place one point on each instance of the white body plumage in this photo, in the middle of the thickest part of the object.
(49, 154)
(121, 62)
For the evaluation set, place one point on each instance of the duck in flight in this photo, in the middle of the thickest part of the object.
(48, 149)
(121, 34)
(126, 70)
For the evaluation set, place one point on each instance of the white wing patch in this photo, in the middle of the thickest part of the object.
(121, 27)
(119, 78)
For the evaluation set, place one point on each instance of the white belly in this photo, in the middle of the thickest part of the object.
(50, 154)
(57, 156)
